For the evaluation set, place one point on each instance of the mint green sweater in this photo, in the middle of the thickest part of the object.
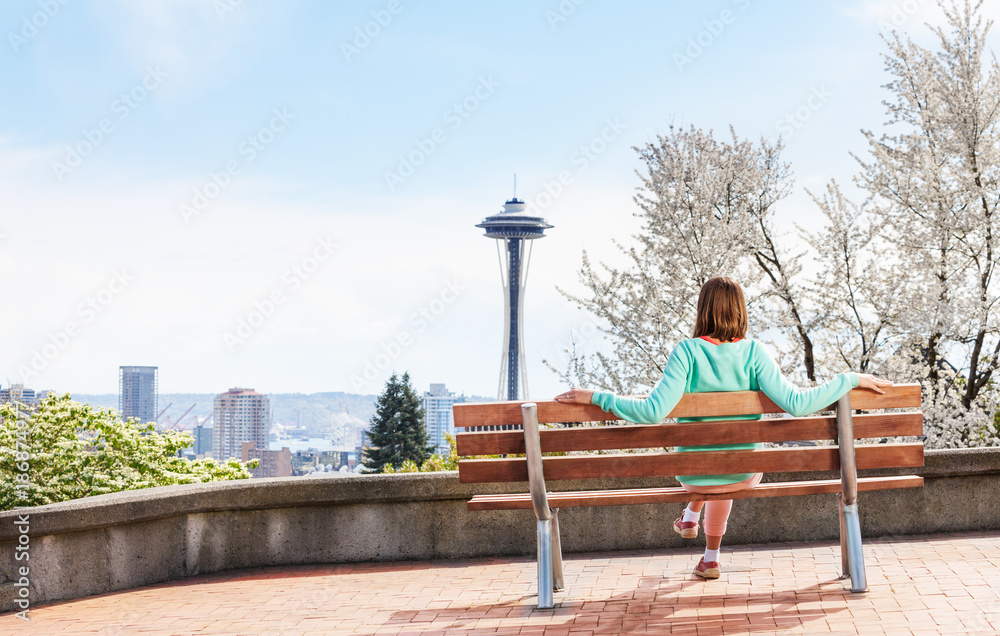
(696, 365)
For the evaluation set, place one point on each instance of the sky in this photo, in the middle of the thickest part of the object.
(284, 195)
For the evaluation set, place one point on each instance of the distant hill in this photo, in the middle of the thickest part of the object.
(288, 408)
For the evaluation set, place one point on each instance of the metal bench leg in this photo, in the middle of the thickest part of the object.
(845, 563)
(550, 572)
(855, 555)
(557, 566)
(545, 558)
(850, 526)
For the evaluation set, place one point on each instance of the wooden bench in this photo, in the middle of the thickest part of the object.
(842, 428)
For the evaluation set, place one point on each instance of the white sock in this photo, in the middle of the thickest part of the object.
(711, 555)
(690, 515)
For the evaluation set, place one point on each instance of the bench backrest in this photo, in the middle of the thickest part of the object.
(618, 437)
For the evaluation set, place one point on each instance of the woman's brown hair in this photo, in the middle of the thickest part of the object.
(722, 310)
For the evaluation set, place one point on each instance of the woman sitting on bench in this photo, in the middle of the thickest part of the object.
(719, 358)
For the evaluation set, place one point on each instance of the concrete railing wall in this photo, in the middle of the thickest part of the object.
(129, 539)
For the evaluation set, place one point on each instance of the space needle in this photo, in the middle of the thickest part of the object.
(514, 229)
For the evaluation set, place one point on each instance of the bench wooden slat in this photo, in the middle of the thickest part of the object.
(522, 501)
(691, 463)
(690, 405)
(689, 434)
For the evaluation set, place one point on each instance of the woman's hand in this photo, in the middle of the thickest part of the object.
(870, 382)
(575, 395)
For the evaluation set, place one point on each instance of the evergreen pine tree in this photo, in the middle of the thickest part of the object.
(397, 430)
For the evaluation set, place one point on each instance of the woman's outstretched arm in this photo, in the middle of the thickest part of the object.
(650, 410)
(800, 402)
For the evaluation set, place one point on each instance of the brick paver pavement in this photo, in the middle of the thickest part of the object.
(942, 584)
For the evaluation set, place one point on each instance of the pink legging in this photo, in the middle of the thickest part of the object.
(717, 511)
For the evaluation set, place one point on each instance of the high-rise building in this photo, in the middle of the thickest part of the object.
(272, 463)
(515, 230)
(438, 418)
(138, 393)
(17, 393)
(202, 439)
(241, 415)
(363, 443)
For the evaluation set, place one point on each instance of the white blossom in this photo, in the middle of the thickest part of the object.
(904, 284)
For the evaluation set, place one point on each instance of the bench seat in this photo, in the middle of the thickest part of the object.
(576, 498)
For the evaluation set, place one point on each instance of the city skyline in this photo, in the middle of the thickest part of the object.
(285, 195)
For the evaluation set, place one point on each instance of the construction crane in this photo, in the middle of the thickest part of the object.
(177, 422)
(162, 412)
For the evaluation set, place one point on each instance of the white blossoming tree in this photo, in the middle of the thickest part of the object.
(904, 282)
(706, 208)
(934, 182)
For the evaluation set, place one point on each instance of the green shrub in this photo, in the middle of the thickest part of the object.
(66, 450)
(432, 464)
